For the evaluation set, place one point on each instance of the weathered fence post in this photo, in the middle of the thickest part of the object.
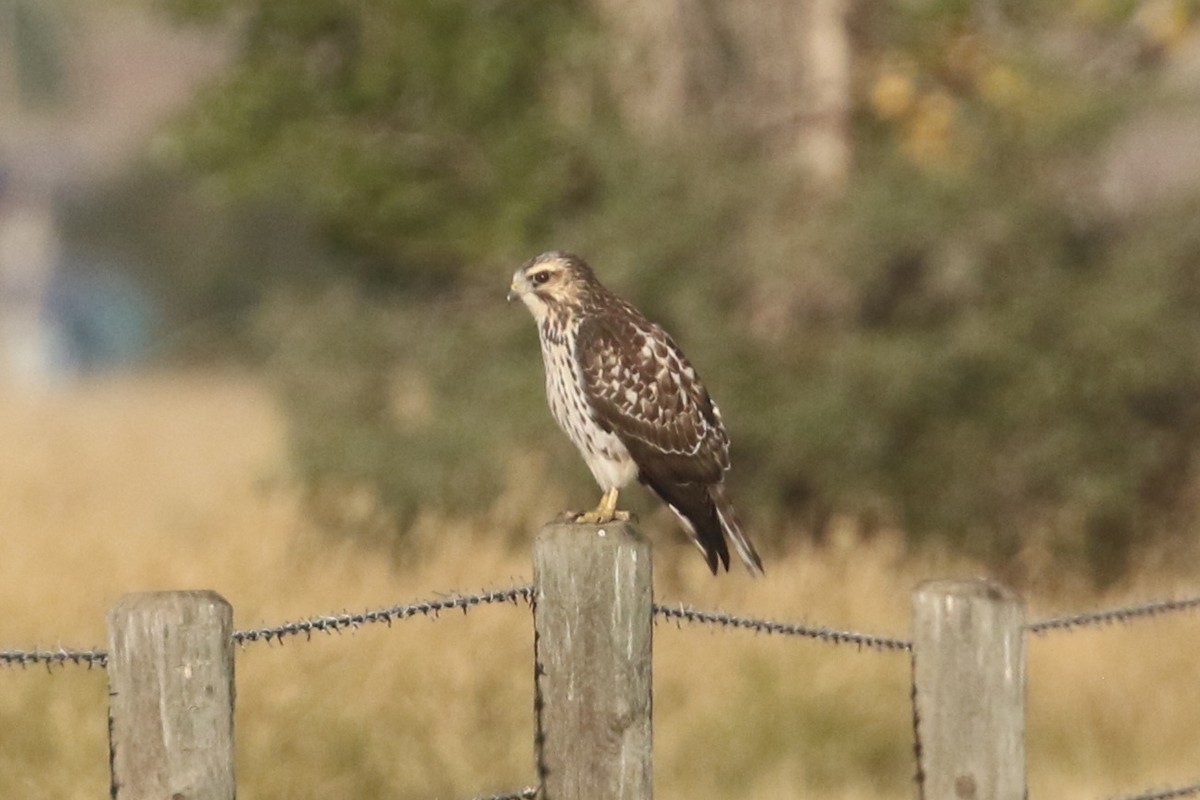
(593, 615)
(170, 681)
(969, 691)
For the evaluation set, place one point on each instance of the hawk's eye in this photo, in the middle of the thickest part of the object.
(540, 277)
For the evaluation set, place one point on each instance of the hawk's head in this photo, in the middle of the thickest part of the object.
(551, 283)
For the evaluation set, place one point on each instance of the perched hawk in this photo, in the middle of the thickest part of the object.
(630, 401)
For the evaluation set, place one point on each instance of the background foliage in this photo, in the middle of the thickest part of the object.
(966, 342)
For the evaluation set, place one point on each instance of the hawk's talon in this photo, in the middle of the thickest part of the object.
(605, 512)
(594, 517)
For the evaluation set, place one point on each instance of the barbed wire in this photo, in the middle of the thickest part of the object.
(528, 793)
(1153, 608)
(681, 613)
(1167, 794)
(335, 623)
(331, 623)
(54, 658)
(1193, 790)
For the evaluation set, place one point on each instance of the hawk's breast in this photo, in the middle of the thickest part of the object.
(605, 454)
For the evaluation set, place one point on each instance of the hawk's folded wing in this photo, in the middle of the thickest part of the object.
(642, 389)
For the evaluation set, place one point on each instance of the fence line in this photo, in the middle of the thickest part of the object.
(676, 612)
(528, 793)
(1153, 608)
(61, 656)
(679, 613)
(1167, 794)
(1193, 790)
(335, 623)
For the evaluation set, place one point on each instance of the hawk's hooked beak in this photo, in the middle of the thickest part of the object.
(512, 295)
(514, 290)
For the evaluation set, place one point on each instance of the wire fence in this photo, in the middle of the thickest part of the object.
(1168, 794)
(57, 657)
(530, 792)
(1154, 608)
(335, 623)
(680, 614)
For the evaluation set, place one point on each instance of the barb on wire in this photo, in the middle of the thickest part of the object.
(528, 793)
(58, 657)
(1167, 794)
(681, 613)
(1108, 617)
(428, 608)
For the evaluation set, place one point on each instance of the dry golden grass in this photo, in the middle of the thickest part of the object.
(173, 482)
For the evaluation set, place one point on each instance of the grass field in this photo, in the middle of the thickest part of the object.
(176, 482)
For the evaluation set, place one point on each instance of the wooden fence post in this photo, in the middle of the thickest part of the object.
(969, 691)
(593, 615)
(170, 679)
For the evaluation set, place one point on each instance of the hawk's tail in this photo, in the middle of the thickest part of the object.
(708, 516)
(731, 528)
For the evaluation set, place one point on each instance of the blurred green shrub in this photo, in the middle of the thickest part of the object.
(419, 133)
(964, 344)
(1002, 374)
(394, 407)
(209, 263)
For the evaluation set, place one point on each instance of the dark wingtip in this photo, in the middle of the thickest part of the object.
(716, 556)
(716, 552)
(692, 504)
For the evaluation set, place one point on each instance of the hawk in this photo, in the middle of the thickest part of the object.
(624, 393)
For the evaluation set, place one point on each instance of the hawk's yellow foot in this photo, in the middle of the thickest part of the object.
(605, 512)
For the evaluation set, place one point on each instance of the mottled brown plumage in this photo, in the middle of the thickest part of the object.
(628, 398)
